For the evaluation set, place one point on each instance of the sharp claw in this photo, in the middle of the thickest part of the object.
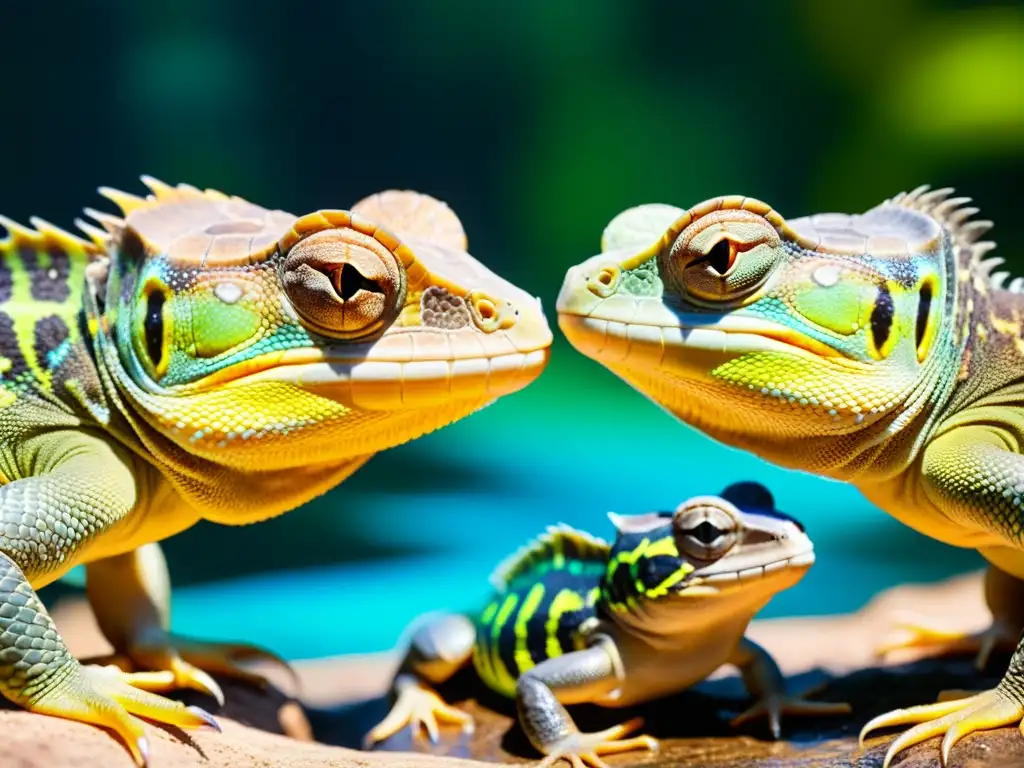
(142, 744)
(202, 682)
(953, 735)
(205, 716)
(774, 724)
(430, 723)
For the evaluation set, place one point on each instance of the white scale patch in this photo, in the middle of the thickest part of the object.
(826, 276)
(229, 293)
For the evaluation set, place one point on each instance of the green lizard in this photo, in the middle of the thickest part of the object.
(878, 349)
(576, 620)
(206, 358)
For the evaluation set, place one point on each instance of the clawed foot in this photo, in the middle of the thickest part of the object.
(174, 663)
(932, 642)
(418, 706)
(107, 697)
(955, 717)
(583, 749)
(774, 707)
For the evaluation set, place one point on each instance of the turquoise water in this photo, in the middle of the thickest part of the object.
(420, 528)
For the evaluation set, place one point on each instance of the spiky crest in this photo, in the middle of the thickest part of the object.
(955, 214)
(559, 540)
(43, 237)
(161, 194)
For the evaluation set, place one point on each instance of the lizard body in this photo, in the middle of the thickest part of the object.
(879, 349)
(202, 357)
(577, 620)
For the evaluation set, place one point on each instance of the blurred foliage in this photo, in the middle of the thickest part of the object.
(537, 121)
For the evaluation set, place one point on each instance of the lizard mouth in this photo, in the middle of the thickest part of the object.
(428, 370)
(725, 337)
(739, 576)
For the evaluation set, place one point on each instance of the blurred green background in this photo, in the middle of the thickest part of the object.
(537, 121)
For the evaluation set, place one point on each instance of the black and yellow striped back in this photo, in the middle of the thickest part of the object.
(543, 593)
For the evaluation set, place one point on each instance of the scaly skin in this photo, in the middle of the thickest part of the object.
(205, 358)
(876, 349)
(576, 620)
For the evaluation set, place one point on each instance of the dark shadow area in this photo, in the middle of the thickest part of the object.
(693, 727)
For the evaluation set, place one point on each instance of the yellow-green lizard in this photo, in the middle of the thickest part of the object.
(206, 358)
(877, 348)
(577, 620)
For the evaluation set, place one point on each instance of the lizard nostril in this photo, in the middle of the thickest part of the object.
(486, 309)
(604, 283)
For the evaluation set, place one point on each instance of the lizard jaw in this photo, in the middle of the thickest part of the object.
(390, 385)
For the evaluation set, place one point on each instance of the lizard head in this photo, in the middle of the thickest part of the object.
(713, 558)
(261, 340)
(763, 332)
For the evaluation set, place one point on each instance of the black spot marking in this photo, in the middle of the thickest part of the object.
(131, 252)
(154, 324)
(50, 332)
(9, 348)
(881, 317)
(6, 281)
(47, 283)
(749, 494)
(924, 310)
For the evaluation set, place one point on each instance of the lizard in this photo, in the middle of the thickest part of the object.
(574, 619)
(881, 349)
(200, 357)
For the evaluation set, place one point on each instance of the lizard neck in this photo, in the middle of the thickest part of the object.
(992, 366)
(230, 494)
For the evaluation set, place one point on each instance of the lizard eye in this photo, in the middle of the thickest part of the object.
(343, 283)
(704, 532)
(723, 257)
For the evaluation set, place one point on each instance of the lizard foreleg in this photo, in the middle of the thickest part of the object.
(438, 649)
(973, 474)
(73, 487)
(576, 677)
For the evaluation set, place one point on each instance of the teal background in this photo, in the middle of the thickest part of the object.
(537, 121)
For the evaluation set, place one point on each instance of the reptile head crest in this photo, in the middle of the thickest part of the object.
(764, 332)
(259, 339)
(734, 548)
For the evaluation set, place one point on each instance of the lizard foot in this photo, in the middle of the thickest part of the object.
(418, 706)
(954, 717)
(775, 706)
(105, 696)
(584, 749)
(174, 663)
(933, 642)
